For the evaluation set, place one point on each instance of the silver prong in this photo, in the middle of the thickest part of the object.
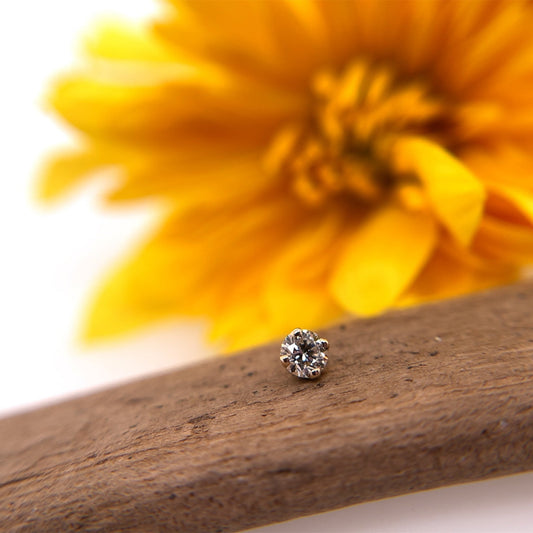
(323, 343)
(285, 360)
(314, 373)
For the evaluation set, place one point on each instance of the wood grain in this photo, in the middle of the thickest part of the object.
(415, 399)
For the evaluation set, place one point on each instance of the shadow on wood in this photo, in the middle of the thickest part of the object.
(415, 399)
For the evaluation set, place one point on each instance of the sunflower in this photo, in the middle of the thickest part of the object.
(312, 158)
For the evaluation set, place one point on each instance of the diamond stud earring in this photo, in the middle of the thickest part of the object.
(303, 353)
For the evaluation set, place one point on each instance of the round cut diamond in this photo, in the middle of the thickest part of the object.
(302, 353)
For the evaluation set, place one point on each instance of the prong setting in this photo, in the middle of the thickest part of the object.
(324, 344)
(303, 353)
(285, 360)
(314, 372)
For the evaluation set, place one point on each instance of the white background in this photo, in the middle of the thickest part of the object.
(52, 257)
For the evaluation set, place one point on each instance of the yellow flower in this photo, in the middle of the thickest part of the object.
(313, 158)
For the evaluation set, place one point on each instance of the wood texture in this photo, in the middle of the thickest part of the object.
(416, 399)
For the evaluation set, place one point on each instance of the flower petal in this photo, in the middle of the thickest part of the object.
(456, 195)
(382, 259)
(66, 170)
(504, 241)
(451, 274)
(190, 179)
(157, 114)
(520, 198)
(282, 41)
(296, 290)
(505, 163)
(130, 298)
(118, 40)
(229, 280)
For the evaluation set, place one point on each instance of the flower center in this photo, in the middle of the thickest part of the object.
(344, 144)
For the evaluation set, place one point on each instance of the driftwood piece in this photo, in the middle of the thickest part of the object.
(415, 399)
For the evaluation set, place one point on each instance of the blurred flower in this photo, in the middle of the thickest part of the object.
(313, 157)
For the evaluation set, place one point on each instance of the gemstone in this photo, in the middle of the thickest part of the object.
(302, 353)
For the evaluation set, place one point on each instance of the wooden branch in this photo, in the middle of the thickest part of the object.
(415, 399)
